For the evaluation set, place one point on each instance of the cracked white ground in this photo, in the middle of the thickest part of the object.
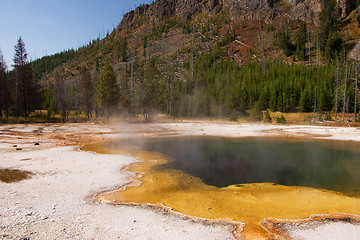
(55, 203)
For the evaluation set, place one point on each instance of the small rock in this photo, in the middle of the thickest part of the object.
(15, 145)
(37, 144)
(18, 149)
(25, 159)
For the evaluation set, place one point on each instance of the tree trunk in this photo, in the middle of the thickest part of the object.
(315, 100)
(108, 112)
(356, 88)
(337, 87)
(309, 47)
(345, 85)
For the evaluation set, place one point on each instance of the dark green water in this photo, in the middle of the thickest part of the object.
(224, 161)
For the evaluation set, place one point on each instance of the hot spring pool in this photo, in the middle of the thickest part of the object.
(245, 180)
(222, 162)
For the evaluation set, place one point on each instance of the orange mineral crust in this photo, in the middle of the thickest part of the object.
(250, 204)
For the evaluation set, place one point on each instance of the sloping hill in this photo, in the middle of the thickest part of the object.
(172, 40)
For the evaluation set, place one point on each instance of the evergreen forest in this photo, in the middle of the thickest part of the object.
(115, 76)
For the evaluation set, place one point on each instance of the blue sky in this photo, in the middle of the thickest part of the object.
(50, 26)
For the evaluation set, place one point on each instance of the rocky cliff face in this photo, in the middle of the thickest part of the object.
(265, 10)
(302, 8)
(253, 39)
(186, 9)
(164, 9)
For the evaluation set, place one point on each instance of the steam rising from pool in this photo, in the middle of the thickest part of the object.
(206, 165)
(224, 161)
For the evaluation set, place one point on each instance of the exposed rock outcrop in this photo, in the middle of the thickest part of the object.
(303, 9)
(164, 9)
(239, 9)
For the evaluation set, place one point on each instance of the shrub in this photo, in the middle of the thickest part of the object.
(308, 119)
(270, 28)
(256, 113)
(280, 119)
(233, 118)
(267, 117)
(328, 116)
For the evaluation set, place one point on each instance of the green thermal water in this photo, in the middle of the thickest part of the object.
(224, 161)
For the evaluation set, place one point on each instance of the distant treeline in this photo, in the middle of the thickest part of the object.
(192, 82)
(49, 63)
(223, 88)
(213, 87)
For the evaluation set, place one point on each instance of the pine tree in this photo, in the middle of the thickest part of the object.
(123, 49)
(301, 41)
(60, 96)
(328, 17)
(285, 42)
(333, 46)
(107, 89)
(24, 83)
(152, 93)
(86, 92)
(3, 93)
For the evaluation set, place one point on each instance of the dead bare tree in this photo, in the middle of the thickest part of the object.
(94, 79)
(193, 58)
(262, 51)
(337, 87)
(315, 101)
(171, 82)
(61, 97)
(3, 93)
(87, 92)
(345, 88)
(132, 83)
(318, 51)
(356, 87)
(347, 108)
(309, 47)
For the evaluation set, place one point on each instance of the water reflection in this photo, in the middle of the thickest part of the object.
(222, 161)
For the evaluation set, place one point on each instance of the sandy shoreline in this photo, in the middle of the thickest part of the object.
(54, 204)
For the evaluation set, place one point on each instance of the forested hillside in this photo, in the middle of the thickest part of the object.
(197, 58)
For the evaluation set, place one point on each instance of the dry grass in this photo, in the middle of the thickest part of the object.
(13, 175)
